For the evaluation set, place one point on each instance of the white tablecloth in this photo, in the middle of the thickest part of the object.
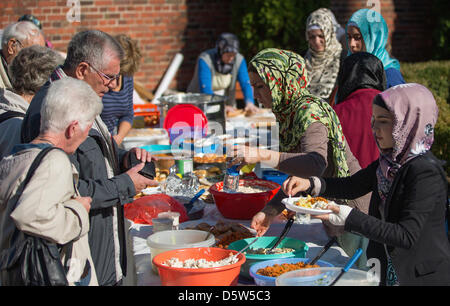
(313, 234)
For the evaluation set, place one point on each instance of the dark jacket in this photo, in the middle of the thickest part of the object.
(414, 230)
(106, 194)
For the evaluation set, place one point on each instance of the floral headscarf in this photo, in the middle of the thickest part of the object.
(415, 114)
(375, 33)
(294, 107)
(323, 67)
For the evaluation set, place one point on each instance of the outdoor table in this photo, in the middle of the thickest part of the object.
(313, 234)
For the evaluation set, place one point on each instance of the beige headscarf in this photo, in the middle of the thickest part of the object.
(323, 67)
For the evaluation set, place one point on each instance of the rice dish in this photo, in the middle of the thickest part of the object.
(251, 189)
(266, 251)
(200, 263)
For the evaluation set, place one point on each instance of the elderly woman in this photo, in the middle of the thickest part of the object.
(406, 221)
(15, 37)
(311, 139)
(367, 31)
(218, 69)
(29, 70)
(324, 55)
(49, 206)
(118, 110)
(361, 78)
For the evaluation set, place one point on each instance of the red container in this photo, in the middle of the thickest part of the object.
(243, 206)
(220, 276)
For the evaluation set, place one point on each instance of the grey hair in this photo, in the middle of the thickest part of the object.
(32, 67)
(67, 100)
(22, 30)
(94, 47)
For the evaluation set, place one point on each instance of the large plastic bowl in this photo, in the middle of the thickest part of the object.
(243, 206)
(180, 239)
(300, 249)
(324, 276)
(262, 280)
(220, 276)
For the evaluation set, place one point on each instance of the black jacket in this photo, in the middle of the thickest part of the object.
(106, 194)
(414, 230)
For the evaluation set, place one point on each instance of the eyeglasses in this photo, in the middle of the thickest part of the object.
(20, 43)
(109, 78)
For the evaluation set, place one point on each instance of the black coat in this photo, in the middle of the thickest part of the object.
(414, 230)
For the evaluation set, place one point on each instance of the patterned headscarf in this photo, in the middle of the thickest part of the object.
(227, 43)
(323, 67)
(415, 114)
(294, 107)
(375, 33)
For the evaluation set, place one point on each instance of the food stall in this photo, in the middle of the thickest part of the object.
(207, 168)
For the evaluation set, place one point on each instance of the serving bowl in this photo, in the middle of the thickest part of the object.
(218, 276)
(300, 249)
(177, 239)
(262, 280)
(243, 206)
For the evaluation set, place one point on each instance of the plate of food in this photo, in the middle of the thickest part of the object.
(308, 205)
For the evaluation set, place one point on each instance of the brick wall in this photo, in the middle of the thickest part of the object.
(162, 27)
(165, 27)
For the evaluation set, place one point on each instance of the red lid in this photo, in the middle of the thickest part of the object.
(185, 115)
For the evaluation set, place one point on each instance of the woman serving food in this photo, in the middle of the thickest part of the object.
(311, 138)
(406, 220)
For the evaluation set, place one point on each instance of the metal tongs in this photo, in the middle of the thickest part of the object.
(245, 248)
(323, 251)
(286, 229)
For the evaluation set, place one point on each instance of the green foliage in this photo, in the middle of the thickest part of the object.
(441, 34)
(262, 24)
(435, 75)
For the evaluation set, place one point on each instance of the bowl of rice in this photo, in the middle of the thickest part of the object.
(199, 267)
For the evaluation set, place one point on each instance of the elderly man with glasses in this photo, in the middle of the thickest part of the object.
(94, 57)
(15, 37)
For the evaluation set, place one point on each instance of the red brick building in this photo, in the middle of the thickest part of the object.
(165, 27)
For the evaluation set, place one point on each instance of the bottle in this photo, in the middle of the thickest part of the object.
(231, 180)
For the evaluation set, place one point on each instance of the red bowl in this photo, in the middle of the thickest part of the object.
(243, 206)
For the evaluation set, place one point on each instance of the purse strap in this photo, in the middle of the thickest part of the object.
(34, 165)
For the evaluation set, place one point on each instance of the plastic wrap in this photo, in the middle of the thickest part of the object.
(144, 209)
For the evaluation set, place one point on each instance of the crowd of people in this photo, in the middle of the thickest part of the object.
(350, 129)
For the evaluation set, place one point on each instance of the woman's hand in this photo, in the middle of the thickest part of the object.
(250, 109)
(85, 201)
(261, 223)
(339, 215)
(245, 155)
(294, 185)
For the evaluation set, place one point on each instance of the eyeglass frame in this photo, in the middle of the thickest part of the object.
(108, 78)
(18, 41)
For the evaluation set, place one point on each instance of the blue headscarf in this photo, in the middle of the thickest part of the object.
(375, 32)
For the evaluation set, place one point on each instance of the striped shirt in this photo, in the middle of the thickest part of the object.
(118, 106)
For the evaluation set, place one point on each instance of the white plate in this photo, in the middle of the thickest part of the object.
(289, 203)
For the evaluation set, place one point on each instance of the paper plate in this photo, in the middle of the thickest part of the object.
(289, 203)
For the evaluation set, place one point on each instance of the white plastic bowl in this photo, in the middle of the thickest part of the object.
(179, 239)
(324, 276)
